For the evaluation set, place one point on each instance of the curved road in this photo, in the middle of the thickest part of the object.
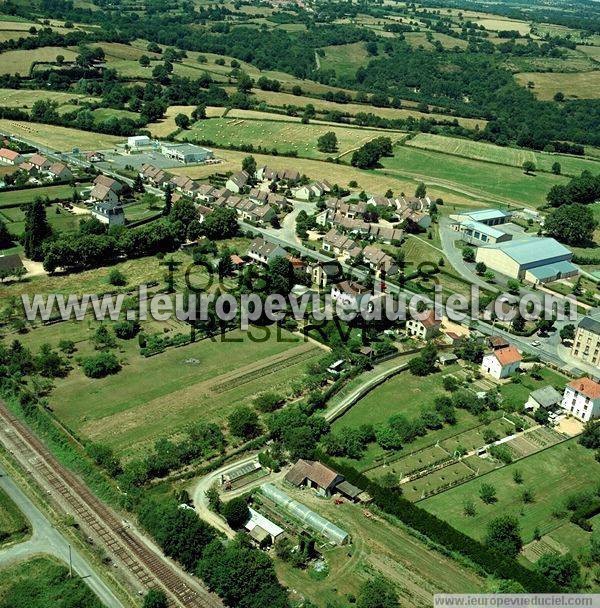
(46, 539)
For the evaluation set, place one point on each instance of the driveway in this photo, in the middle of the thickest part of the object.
(46, 539)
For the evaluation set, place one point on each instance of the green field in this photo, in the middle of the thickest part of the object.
(575, 85)
(551, 474)
(494, 183)
(13, 525)
(282, 136)
(25, 98)
(160, 395)
(20, 197)
(59, 138)
(102, 114)
(345, 59)
(402, 394)
(19, 62)
(42, 582)
(570, 165)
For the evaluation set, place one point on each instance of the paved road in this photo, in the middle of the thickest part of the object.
(454, 255)
(46, 539)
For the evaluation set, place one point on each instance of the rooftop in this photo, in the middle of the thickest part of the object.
(586, 386)
(258, 520)
(546, 396)
(507, 355)
(487, 214)
(590, 324)
(532, 249)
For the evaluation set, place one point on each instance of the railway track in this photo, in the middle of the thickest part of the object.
(121, 543)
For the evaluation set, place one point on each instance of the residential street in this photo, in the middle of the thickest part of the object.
(46, 539)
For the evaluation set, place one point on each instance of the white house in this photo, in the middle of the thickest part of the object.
(262, 251)
(502, 363)
(10, 157)
(582, 399)
(110, 213)
(425, 328)
(350, 294)
(237, 181)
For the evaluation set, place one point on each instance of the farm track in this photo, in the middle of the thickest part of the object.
(148, 568)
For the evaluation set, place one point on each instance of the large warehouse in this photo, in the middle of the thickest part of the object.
(535, 260)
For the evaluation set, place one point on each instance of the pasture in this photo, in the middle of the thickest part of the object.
(492, 183)
(551, 474)
(25, 98)
(161, 395)
(282, 136)
(344, 59)
(60, 220)
(514, 157)
(167, 125)
(13, 525)
(574, 85)
(499, 24)
(62, 139)
(19, 62)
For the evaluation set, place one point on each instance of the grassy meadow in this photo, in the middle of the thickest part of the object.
(344, 59)
(574, 85)
(493, 183)
(161, 395)
(514, 157)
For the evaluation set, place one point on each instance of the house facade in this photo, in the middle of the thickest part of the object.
(581, 399)
(425, 328)
(502, 363)
(586, 345)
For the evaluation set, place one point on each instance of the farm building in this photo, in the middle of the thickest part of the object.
(582, 399)
(586, 345)
(502, 363)
(535, 260)
(313, 474)
(261, 529)
(239, 472)
(488, 217)
(302, 513)
(546, 398)
(139, 141)
(186, 153)
(476, 233)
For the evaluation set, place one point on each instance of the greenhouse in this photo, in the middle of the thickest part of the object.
(301, 512)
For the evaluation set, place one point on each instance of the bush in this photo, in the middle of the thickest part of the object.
(235, 512)
(101, 365)
(126, 330)
(117, 278)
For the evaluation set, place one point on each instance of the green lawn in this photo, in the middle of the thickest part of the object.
(403, 394)
(43, 582)
(13, 525)
(60, 219)
(516, 394)
(551, 474)
(160, 395)
(514, 157)
(494, 183)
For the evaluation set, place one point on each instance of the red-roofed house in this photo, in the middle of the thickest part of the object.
(10, 157)
(502, 363)
(582, 399)
(425, 328)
